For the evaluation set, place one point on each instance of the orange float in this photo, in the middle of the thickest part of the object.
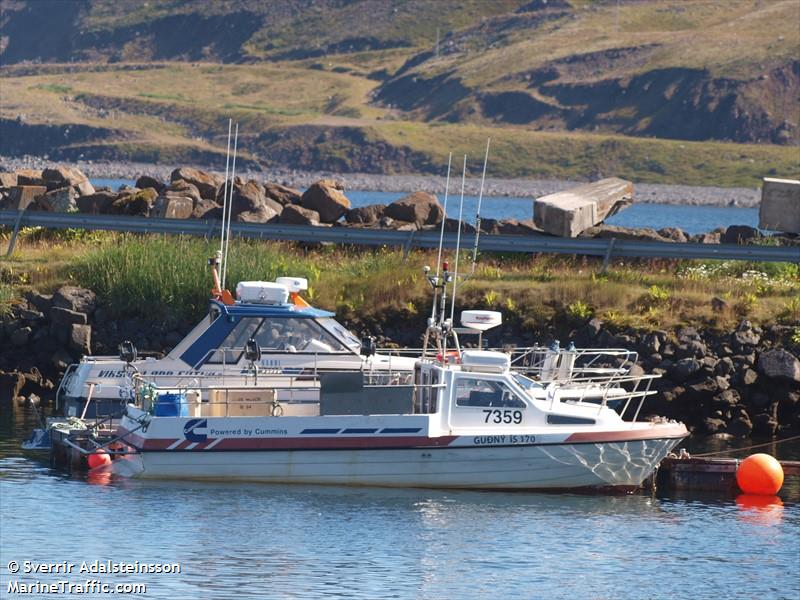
(760, 474)
(98, 458)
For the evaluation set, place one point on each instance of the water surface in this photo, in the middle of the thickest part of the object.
(273, 541)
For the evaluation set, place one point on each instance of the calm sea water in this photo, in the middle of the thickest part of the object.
(269, 541)
(692, 219)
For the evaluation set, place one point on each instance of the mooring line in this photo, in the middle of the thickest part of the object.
(789, 439)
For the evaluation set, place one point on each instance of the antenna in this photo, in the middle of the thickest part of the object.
(435, 281)
(228, 207)
(444, 217)
(478, 215)
(458, 242)
(225, 189)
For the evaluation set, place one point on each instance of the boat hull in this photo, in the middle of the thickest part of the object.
(600, 465)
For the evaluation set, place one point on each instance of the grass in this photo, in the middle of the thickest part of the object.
(165, 278)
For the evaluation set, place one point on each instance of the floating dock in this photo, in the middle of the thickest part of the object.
(707, 474)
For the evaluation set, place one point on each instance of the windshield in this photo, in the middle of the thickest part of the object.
(526, 383)
(341, 332)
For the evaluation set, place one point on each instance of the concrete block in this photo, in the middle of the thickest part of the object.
(572, 211)
(8, 180)
(20, 196)
(173, 207)
(780, 205)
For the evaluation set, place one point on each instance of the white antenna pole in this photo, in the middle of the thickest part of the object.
(478, 215)
(228, 206)
(225, 189)
(458, 243)
(444, 217)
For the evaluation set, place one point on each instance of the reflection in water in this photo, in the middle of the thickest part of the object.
(281, 541)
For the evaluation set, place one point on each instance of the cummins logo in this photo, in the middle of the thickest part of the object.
(195, 430)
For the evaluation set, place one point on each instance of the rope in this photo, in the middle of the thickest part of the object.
(789, 439)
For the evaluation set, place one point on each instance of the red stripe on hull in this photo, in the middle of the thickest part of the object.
(629, 435)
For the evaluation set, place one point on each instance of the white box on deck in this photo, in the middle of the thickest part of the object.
(262, 292)
(485, 361)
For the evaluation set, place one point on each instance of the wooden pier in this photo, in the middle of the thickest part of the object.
(707, 474)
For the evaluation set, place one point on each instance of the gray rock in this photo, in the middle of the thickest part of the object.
(749, 377)
(59, 200)
(779, 364)
(145, 181)
(206, 209)
(75, 299)
(722, 383)
(764, 425)
(297, 215)
(420, 208)
(20, 336)
(61, 359)
(80, 339)
(365, 214)
(65, 316)
(327, 198)
(207, 184)
(183, 188)
(651, 343)
(42, 302)
(172, 206)
(98, 203)
(713, 426)
(740, 234)
(281, 194)
(744, 338)
(684, 368)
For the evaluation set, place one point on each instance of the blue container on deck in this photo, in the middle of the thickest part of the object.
(172, 404)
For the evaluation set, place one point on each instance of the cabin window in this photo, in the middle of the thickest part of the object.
(294, 334)
(568, 420)
(483, 392)
(232, 347)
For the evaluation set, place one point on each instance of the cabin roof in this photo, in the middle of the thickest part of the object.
(248, 309)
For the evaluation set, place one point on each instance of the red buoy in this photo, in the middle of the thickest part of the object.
(760, 474)
(98, 458)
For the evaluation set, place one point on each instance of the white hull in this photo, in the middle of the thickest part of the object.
(547, 466)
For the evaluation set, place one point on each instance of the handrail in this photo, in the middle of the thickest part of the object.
(388, 237)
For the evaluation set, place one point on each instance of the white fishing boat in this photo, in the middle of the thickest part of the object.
(467, 425)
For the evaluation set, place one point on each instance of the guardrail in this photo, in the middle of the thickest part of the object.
(606, 248)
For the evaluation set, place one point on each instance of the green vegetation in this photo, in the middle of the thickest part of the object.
(159, 277)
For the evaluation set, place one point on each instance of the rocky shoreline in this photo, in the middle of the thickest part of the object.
(734, 384)
(645, 192)
(189, 193)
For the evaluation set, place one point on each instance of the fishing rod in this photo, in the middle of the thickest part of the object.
(478, 214)
(227, 208)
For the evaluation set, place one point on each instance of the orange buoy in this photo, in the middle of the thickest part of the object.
(760, 474)
(98, 458)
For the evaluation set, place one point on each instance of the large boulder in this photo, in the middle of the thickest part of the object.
(421, 208)
(779, 364)
(327, 198)
(21, 197)
(281, 194)
(268, 212)
(245, 197)
(206, 209)
(80, 339)
(98, 203)
(8, 180)
(75, 298)
(145, 181)
(138, 204)
(297, 215)
(29, 177)
(740, 234)
(171, 205)
(208, 184)
(61, 176)
(181, 187)
(365, 214)
(58, 200)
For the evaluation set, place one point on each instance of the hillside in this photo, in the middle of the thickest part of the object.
(656, 90)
